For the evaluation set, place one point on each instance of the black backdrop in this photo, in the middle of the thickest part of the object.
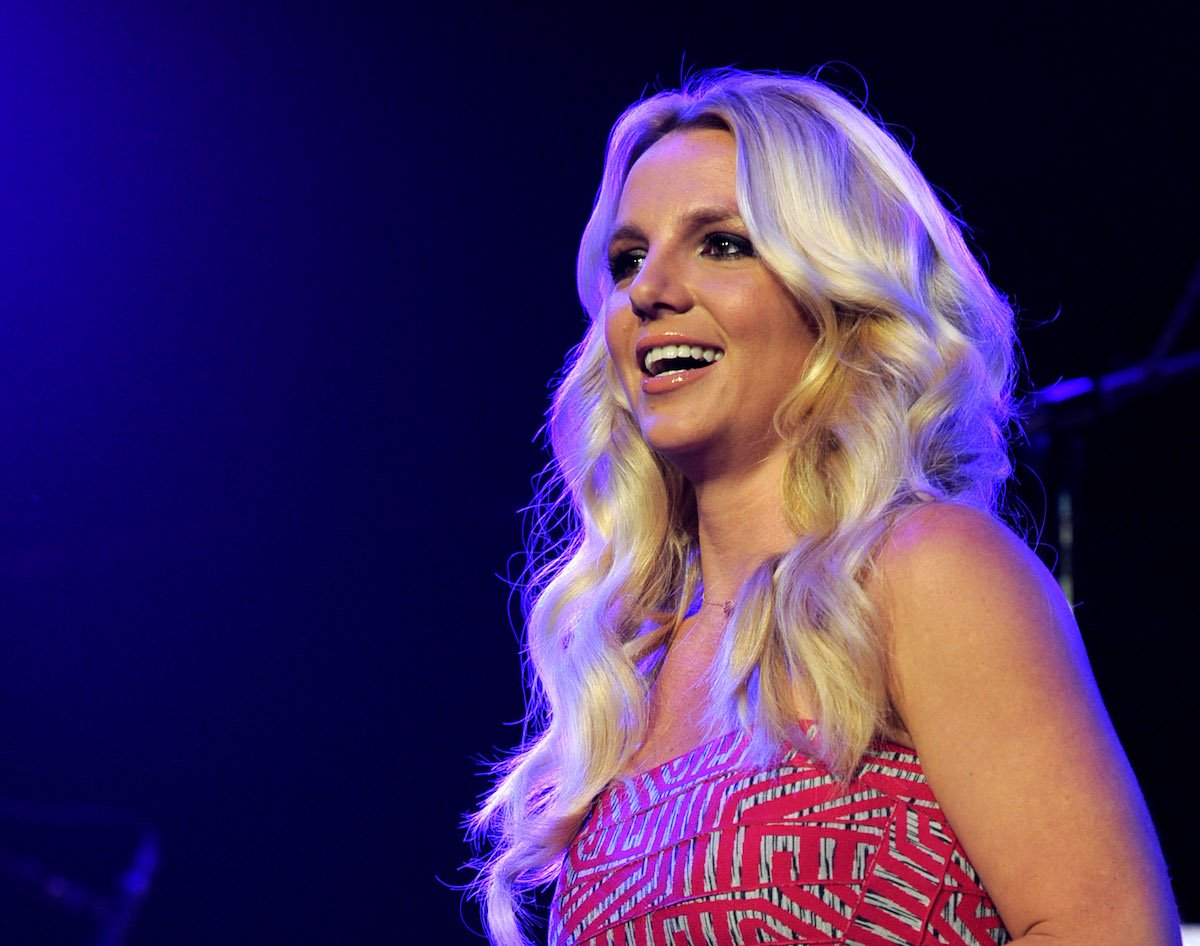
(281, 289)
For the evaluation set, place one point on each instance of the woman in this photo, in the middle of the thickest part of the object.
(796, 683)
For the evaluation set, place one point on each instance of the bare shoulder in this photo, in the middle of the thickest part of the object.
(991, 680)
(970, 613)
(954, 576)
(945, 544)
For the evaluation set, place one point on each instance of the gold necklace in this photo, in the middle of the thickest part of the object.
(726, 605)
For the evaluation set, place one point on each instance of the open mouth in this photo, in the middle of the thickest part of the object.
(666, 359)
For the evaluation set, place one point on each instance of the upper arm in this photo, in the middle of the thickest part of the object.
(990, 678)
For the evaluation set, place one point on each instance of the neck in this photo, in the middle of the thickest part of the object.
(741, 524)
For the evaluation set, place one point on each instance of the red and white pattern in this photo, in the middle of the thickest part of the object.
(708, 850)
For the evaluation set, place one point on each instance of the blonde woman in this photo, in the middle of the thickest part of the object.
(794, 681)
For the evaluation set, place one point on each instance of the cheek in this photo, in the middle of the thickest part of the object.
(619, 330)
(611, 342)
(615, 372)
(618, 388)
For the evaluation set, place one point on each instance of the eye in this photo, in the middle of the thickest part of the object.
(624, 265)
(726, 246)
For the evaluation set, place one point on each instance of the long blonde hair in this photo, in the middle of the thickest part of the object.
(906, 399)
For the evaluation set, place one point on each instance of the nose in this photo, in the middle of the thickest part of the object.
(659, 288)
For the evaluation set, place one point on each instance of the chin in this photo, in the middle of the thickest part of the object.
(675, 444)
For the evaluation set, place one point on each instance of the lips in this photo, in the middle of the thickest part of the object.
(670, 361)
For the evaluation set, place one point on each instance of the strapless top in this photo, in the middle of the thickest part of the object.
(711, 850)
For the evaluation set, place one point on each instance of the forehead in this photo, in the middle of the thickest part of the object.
(684, 168)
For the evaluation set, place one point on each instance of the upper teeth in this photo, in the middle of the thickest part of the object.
(655, 355)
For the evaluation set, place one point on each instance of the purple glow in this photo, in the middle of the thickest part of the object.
(1065, 390)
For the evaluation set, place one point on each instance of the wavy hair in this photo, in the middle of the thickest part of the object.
(905, 399)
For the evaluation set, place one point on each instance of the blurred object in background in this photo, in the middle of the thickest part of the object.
(71, 876)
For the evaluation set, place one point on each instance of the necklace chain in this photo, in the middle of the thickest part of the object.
(726, 605)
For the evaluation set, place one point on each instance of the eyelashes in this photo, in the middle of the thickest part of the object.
(625, 264)
(727, 246)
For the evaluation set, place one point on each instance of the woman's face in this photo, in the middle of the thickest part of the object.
(705, 339)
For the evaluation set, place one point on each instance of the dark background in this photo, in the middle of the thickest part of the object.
(281, 288)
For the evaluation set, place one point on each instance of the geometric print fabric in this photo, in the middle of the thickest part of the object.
(707, 850)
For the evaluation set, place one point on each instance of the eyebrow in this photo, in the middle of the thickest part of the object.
(697, 219)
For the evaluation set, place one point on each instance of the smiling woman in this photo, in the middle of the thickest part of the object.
(685, 274)
(796, 682)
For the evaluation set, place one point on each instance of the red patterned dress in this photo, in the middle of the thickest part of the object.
(708, 850)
